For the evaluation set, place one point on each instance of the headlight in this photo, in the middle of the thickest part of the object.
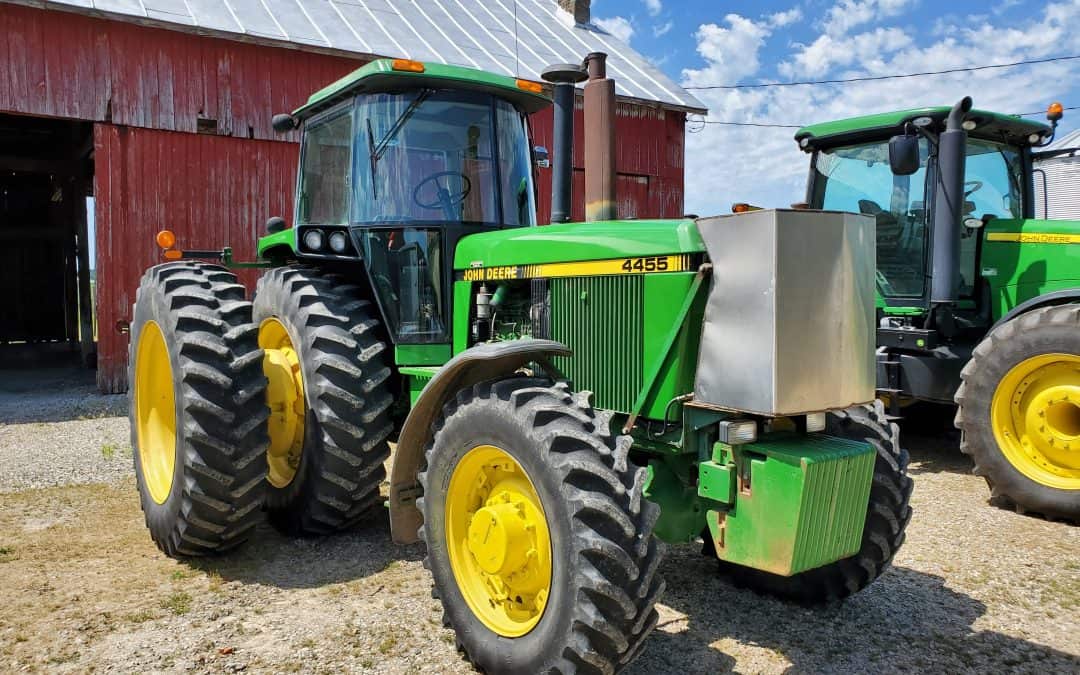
(314, 239)
(815, 422)
(338, 242)
(737, 432)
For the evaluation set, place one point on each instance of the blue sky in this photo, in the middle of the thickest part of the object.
(699, 42)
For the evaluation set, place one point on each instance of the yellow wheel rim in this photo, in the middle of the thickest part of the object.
(498, 541)
(1035, 415)
(285, 398)
(155, 412)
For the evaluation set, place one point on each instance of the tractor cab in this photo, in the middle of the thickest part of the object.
(851, 171)
(401, 159)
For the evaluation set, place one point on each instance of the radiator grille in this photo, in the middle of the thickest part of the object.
(601, 320)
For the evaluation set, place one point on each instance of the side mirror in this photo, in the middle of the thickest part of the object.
(275, 224)
(904, 154)
(284, 122)
(541, 157)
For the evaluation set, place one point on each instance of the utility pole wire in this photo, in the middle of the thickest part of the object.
(874, 78)
(800, 126)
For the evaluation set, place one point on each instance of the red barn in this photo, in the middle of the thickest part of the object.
(160, 110)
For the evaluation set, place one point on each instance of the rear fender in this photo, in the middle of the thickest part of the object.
(483, 362)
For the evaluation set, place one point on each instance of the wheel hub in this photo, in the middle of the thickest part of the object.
(285, 398)
(498, 541)
(1035, 414)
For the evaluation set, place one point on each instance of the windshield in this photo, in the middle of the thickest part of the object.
(436, 156)
(858, 179)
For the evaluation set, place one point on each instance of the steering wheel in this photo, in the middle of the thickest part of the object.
(444, 198)
(976, 185)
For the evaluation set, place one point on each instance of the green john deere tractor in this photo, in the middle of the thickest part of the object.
(977, 301)
(562, 399)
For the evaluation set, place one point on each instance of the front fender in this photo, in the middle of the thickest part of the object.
(484, 362)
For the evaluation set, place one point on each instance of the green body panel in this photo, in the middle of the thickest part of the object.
(682, 514)
(379, 75)
(422, 354)
(283, 239)
(573, 242)
(991, 125)
(416, 378)
(1018, 271)
(800, 503)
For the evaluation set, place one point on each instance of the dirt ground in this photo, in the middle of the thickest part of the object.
(975, 588)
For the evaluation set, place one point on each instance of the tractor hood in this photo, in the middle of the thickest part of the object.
(575, 242)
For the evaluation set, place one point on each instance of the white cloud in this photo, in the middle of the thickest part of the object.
(619, 27)
(654, 7)
(781, 19)
(764, 166)
(731, 52)
(663, 29)
(848, 14)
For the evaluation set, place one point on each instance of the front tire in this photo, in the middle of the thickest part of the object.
(1019, 412)
(887, 516)
(572, 582)
(197, 410)
(329, 400)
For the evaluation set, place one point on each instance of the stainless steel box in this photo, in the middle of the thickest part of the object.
(789, 325)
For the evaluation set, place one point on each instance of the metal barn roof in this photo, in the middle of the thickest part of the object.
(472, 33)
(1069, 140)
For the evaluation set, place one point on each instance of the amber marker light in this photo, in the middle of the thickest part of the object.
(173, 254)
(407, 66)
(166, 239)
(530, 86)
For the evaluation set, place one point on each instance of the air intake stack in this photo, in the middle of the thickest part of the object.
(563, 76)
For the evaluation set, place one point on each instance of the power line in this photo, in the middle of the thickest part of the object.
(800, 126)
(874, 78)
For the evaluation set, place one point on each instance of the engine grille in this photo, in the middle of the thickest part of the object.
(601, 319)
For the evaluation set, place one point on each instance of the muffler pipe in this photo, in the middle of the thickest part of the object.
(948, 206)
(599, 140)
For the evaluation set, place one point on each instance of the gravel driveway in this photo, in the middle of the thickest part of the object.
(974, 589)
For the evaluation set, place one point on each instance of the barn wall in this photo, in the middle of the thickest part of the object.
(61, 64)
(210, 191)
(148, 88)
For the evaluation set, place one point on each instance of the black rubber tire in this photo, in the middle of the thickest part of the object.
(221, 413)
(605, 582)
(1040, 331)
(335, 333)
(887, 517)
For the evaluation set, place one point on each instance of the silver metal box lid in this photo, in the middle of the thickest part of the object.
(789, 325)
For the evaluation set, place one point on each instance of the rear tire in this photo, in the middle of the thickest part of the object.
(887, 517)
(334, 331)
(603, 557)
(197, 409)
(1026, 469)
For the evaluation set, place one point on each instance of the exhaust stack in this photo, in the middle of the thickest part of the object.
(948, 206)
(599, 140)
(563, 76)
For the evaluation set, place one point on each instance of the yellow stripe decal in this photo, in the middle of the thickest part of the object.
(1034, 237)
(588, 268)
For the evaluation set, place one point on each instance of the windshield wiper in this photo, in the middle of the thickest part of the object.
(372, 159)
(378, 151)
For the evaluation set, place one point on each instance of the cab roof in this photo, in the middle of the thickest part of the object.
(1012, 129)
(380, 76)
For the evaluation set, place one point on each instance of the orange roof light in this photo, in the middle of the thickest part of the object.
(530, 86)
(743, 207)
(407, 66)
(1055, 111)
(166, 239)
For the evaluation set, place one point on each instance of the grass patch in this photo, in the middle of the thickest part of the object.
(142, 616)
(214, 581)
(108, 451)
(177, 603)
(7, 553)
(387, 645)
